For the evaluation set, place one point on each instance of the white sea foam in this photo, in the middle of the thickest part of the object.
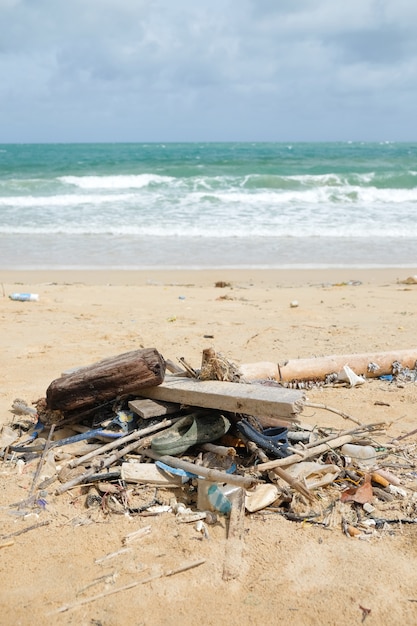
(254, 199)
(114, 182)
(259, 198)
(60, 201)
(228, 230)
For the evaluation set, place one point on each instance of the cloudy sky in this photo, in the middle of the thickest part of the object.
(208, 70)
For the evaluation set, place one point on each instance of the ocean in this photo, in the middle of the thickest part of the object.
(208, 205)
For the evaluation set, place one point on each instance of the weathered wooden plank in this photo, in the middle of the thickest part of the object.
(273, 403)
(147, 408)
(148, 474)
(106, 380)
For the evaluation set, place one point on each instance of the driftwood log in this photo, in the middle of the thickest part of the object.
(370, 365)
(106, 380)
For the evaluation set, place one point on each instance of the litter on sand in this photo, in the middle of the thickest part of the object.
(138, 435)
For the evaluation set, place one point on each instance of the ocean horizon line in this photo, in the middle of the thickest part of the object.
(211, 142)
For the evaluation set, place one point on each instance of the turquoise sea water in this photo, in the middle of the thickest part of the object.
(208, 205)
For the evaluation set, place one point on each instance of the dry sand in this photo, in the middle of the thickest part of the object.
(291, 573)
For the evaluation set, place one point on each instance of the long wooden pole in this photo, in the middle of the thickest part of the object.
(370, 365)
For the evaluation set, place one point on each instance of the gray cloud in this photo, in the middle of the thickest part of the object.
(143, 70)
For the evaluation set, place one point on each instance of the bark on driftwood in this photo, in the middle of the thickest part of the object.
(106, 380)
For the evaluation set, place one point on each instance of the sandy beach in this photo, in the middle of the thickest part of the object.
(292, 573)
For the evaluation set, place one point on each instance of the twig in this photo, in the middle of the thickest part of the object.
(41, 462)
(314, 405)
(31, 498)
(109, 461)
(136, 534)
(111, 555)
(412, 432)
(174, 368)
(114, 457)
(205, 472)
(137, 434)
(319, 447)
(99, 596)
(352, 431)
(184, 568)
(234, 547)
(25, 530)
(286, 476)
(191, 371)
(106, 578)
(307, 454)
(220, 450)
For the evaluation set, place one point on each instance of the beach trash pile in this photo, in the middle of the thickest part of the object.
(138, 435)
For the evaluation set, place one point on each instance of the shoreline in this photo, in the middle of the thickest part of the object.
(206, 276)
(131, 252)
(272, 315)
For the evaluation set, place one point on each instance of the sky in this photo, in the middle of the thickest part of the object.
(208, 70)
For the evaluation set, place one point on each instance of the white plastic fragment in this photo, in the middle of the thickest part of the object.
(397, 491)
(347, 375)
(202, 528)
(20, 466)
(368, 507)
(260, 497)
(314, 474)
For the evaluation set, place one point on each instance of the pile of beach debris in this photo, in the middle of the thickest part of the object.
(218, 440)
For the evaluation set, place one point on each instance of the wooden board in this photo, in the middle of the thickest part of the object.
(277, 403)
(147, 408)
(148, 474)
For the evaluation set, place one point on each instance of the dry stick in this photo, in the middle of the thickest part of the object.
(99, 596)
(109, 461)
(324, 445)
(220, 450)
(174, 368)
(352, 431)
(314, 405)
(137, 434)
(286, 476)
(295, 458)
(113, 458)
(191, 371)
(41, 461)
(111, 555)
(232, 565)
(137, 534)
(26, 530)
(412, 432)
(205, 472)
(30, 499)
